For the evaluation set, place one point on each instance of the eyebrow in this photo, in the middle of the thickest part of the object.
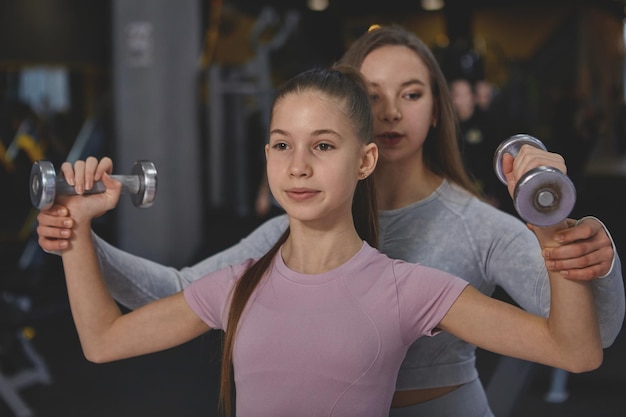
(326, 132)
(318, 132)
(412, 81)
(279, 131)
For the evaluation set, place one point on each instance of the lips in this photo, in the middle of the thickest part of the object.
(301, 194)
(389, 138)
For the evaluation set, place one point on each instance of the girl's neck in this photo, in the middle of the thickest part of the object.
(310, 251)
(398, 185)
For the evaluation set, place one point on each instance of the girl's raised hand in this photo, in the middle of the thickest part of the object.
(55, 224)
(83, 174)
(528, 157)
(83, 208)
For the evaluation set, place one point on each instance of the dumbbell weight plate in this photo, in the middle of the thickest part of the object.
(147, 173)
(42, 184)
(544, 196)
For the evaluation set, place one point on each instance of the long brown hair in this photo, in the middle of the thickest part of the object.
(345, 85)
(441, 149)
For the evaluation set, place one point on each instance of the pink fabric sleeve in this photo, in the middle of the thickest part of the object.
(425, 295)
(209, 296)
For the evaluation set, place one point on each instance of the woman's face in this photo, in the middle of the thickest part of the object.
(402, 101)
(314, 157)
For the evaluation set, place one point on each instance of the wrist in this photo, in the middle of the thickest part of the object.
(546, 235)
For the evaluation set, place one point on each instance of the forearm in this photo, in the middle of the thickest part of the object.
(93, 308)
(572, 323)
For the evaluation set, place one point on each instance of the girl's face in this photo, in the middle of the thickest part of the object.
(402, 101)
(314, 158)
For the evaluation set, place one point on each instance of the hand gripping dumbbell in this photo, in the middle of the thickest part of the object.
(44, 184)
(543, 196)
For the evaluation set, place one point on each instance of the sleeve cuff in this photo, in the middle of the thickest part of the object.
(610, 238)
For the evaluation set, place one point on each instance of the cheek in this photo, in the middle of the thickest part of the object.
(348, 172)
(272, 171)
(423, 118)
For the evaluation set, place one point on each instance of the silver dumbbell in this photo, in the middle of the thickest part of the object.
(543, 196)
(44, 184)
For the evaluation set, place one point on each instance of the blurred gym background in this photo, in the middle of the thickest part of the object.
(187, 84)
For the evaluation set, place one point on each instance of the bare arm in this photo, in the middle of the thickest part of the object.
(585, 249)
(134, 281)
(105, 333)
(568, 339)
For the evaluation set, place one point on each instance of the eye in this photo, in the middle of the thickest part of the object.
(414, 95)
(374, 97)
(325, 147)
(280, 146)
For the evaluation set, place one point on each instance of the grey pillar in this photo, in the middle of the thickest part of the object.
(156, 48)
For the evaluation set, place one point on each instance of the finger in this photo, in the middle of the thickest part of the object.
(579, 248)
(507, 170)
(47, 232)
(57, 210)
(91, 164)
(68, 172)
(79, 176)
(588, 266)
(53, 245)
(530, 157)
(46, 220)
(586, 274)
(113, 186)
(105, 165)
(588, 229)
(570, 222)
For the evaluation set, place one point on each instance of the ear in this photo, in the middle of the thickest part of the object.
(435, 117)
(267, 150)
(368, 160)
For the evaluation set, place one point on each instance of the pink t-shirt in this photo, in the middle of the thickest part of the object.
(328, 344)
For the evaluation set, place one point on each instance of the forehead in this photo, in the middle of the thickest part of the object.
(395, 62)
(306, 115)
(309, 107)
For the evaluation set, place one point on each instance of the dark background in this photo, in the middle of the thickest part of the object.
(558, 67)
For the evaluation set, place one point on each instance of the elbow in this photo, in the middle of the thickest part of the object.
(94, 358)
(588, 363)
(95, 355)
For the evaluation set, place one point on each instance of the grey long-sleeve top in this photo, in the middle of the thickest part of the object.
(450, 230)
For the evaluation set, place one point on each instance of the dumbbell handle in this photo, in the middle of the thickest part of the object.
(131, 184)
(44, 184)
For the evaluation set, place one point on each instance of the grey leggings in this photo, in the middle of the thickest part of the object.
(468, 400)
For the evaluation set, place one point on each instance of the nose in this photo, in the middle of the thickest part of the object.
(299, 165)
(389, 111)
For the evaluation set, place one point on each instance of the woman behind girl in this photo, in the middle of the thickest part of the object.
(430, 215)
(320, 324)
